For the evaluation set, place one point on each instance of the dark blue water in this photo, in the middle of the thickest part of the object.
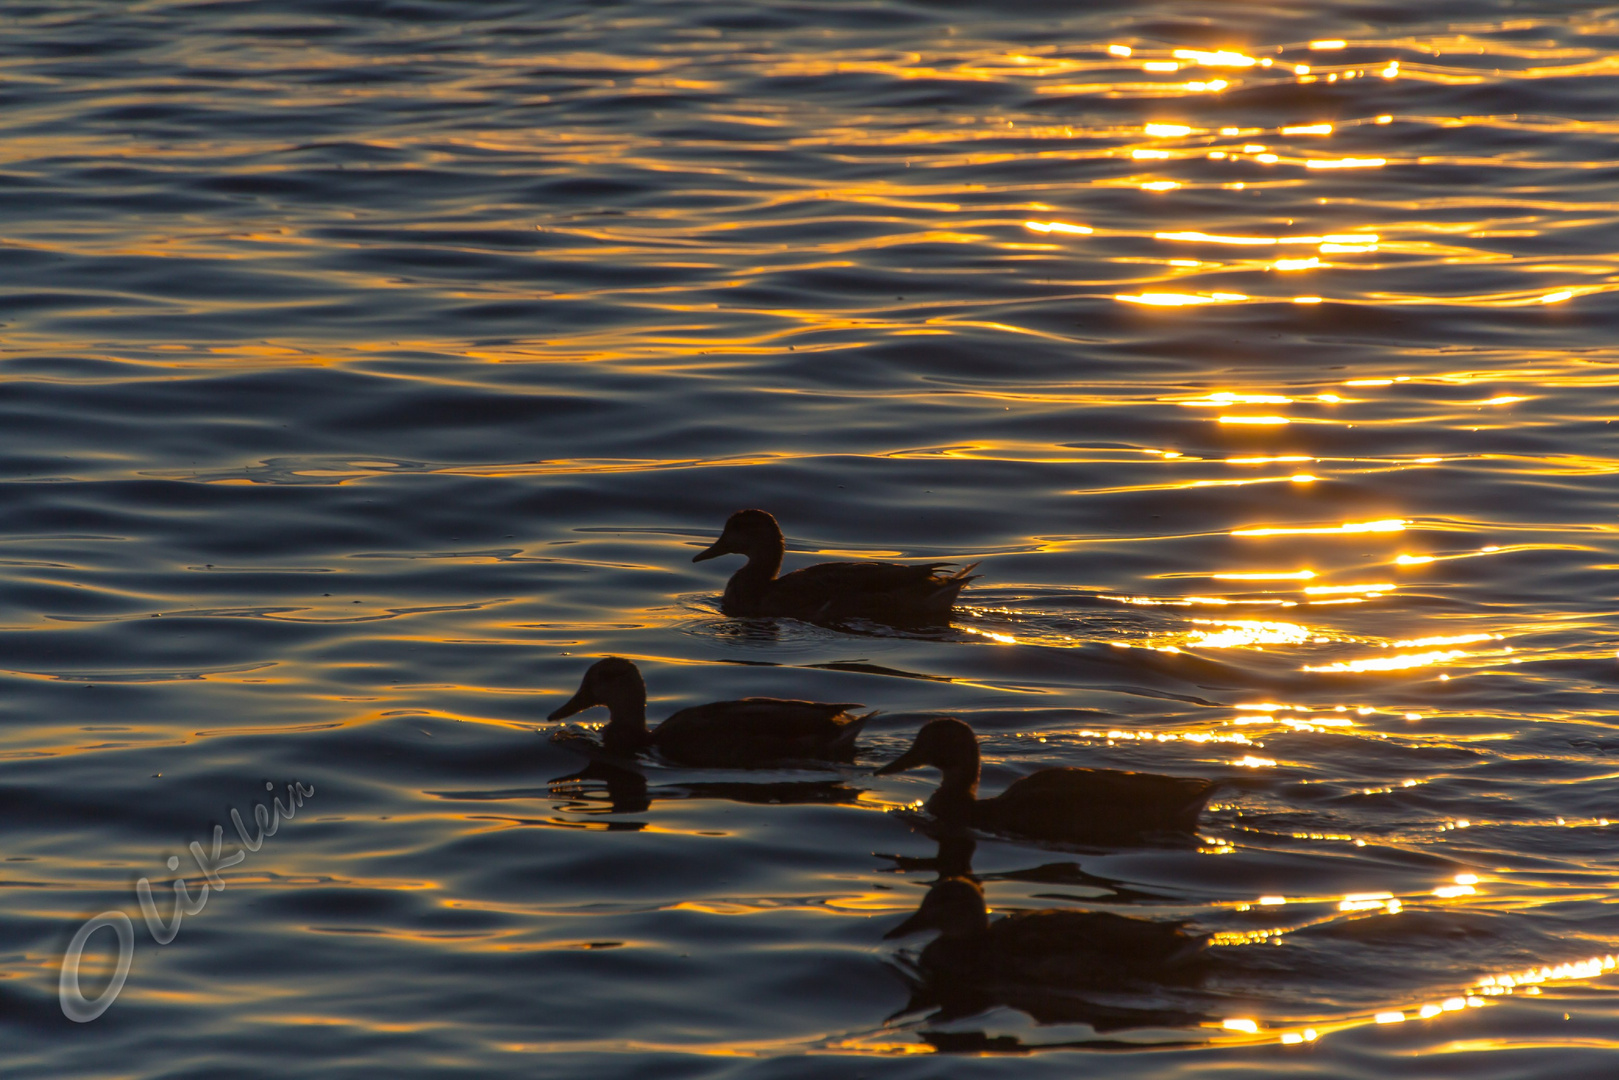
(371, 367)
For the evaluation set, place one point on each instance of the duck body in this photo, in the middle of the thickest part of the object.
(1072, 805)
(737, 733)
(899, 594)
(748, 733)
(1049, 948)
(1095, 804)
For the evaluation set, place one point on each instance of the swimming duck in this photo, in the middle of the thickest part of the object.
(1053, 947)
(1073, 805)
(751, 732)
(918, 594)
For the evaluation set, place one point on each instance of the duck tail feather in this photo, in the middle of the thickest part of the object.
(851, 731)
(1195, 944)
(949, 588)
(1196, 801)
(952, 575)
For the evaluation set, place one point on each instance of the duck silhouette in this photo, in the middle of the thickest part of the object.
(748, 733)
(1082, 806)
(899, 594)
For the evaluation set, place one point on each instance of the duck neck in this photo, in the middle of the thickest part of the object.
(748, 584)
(625, 732)
(958, 789)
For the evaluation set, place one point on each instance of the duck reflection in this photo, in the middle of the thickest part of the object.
(747, 633)
(1079, 806)
(958, 846)
(604, 788)
(626, 790)
(1057, 965)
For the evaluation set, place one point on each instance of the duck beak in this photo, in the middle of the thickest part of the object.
(910, 926)
(578, 703)
(911, 759)
(713, 551)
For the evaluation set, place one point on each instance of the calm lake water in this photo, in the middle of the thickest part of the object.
(371, 367)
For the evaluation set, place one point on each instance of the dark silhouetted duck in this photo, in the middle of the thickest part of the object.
(899, 594)
(1096, 806)
(1054, 947)
(752, 732)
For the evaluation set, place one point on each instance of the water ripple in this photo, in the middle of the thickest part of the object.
(359, 357)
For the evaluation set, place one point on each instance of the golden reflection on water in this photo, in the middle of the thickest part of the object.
(1058, 227)
(1245, 634)
(1376, 589)
(1167, 299)
(1225, 397)
(1383, 525)
(658, 233)
(1475, 996)
(1476, 993)
(1392, 663)
(1035, 67)
(1283, 575)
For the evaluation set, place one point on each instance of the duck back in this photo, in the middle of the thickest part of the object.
(1094, 805)
(759, 731)
(885, 591)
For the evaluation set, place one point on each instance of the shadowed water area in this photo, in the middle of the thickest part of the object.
(370, 368)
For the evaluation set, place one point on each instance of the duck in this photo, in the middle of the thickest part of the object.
(1081, 806)
(748, 733)
(1050, 947)
(899, 594)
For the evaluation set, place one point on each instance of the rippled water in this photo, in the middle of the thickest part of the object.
(371, 366)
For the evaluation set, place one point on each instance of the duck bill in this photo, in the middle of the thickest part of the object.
(911, 759)
(910, 926)
(578, 703)
(713, 551)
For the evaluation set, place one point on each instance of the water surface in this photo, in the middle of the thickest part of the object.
(371, 367)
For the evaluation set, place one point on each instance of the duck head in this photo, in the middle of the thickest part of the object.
(955, 907)
(617, 684)
(747, 532)
(947, 744)
(951, 747)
